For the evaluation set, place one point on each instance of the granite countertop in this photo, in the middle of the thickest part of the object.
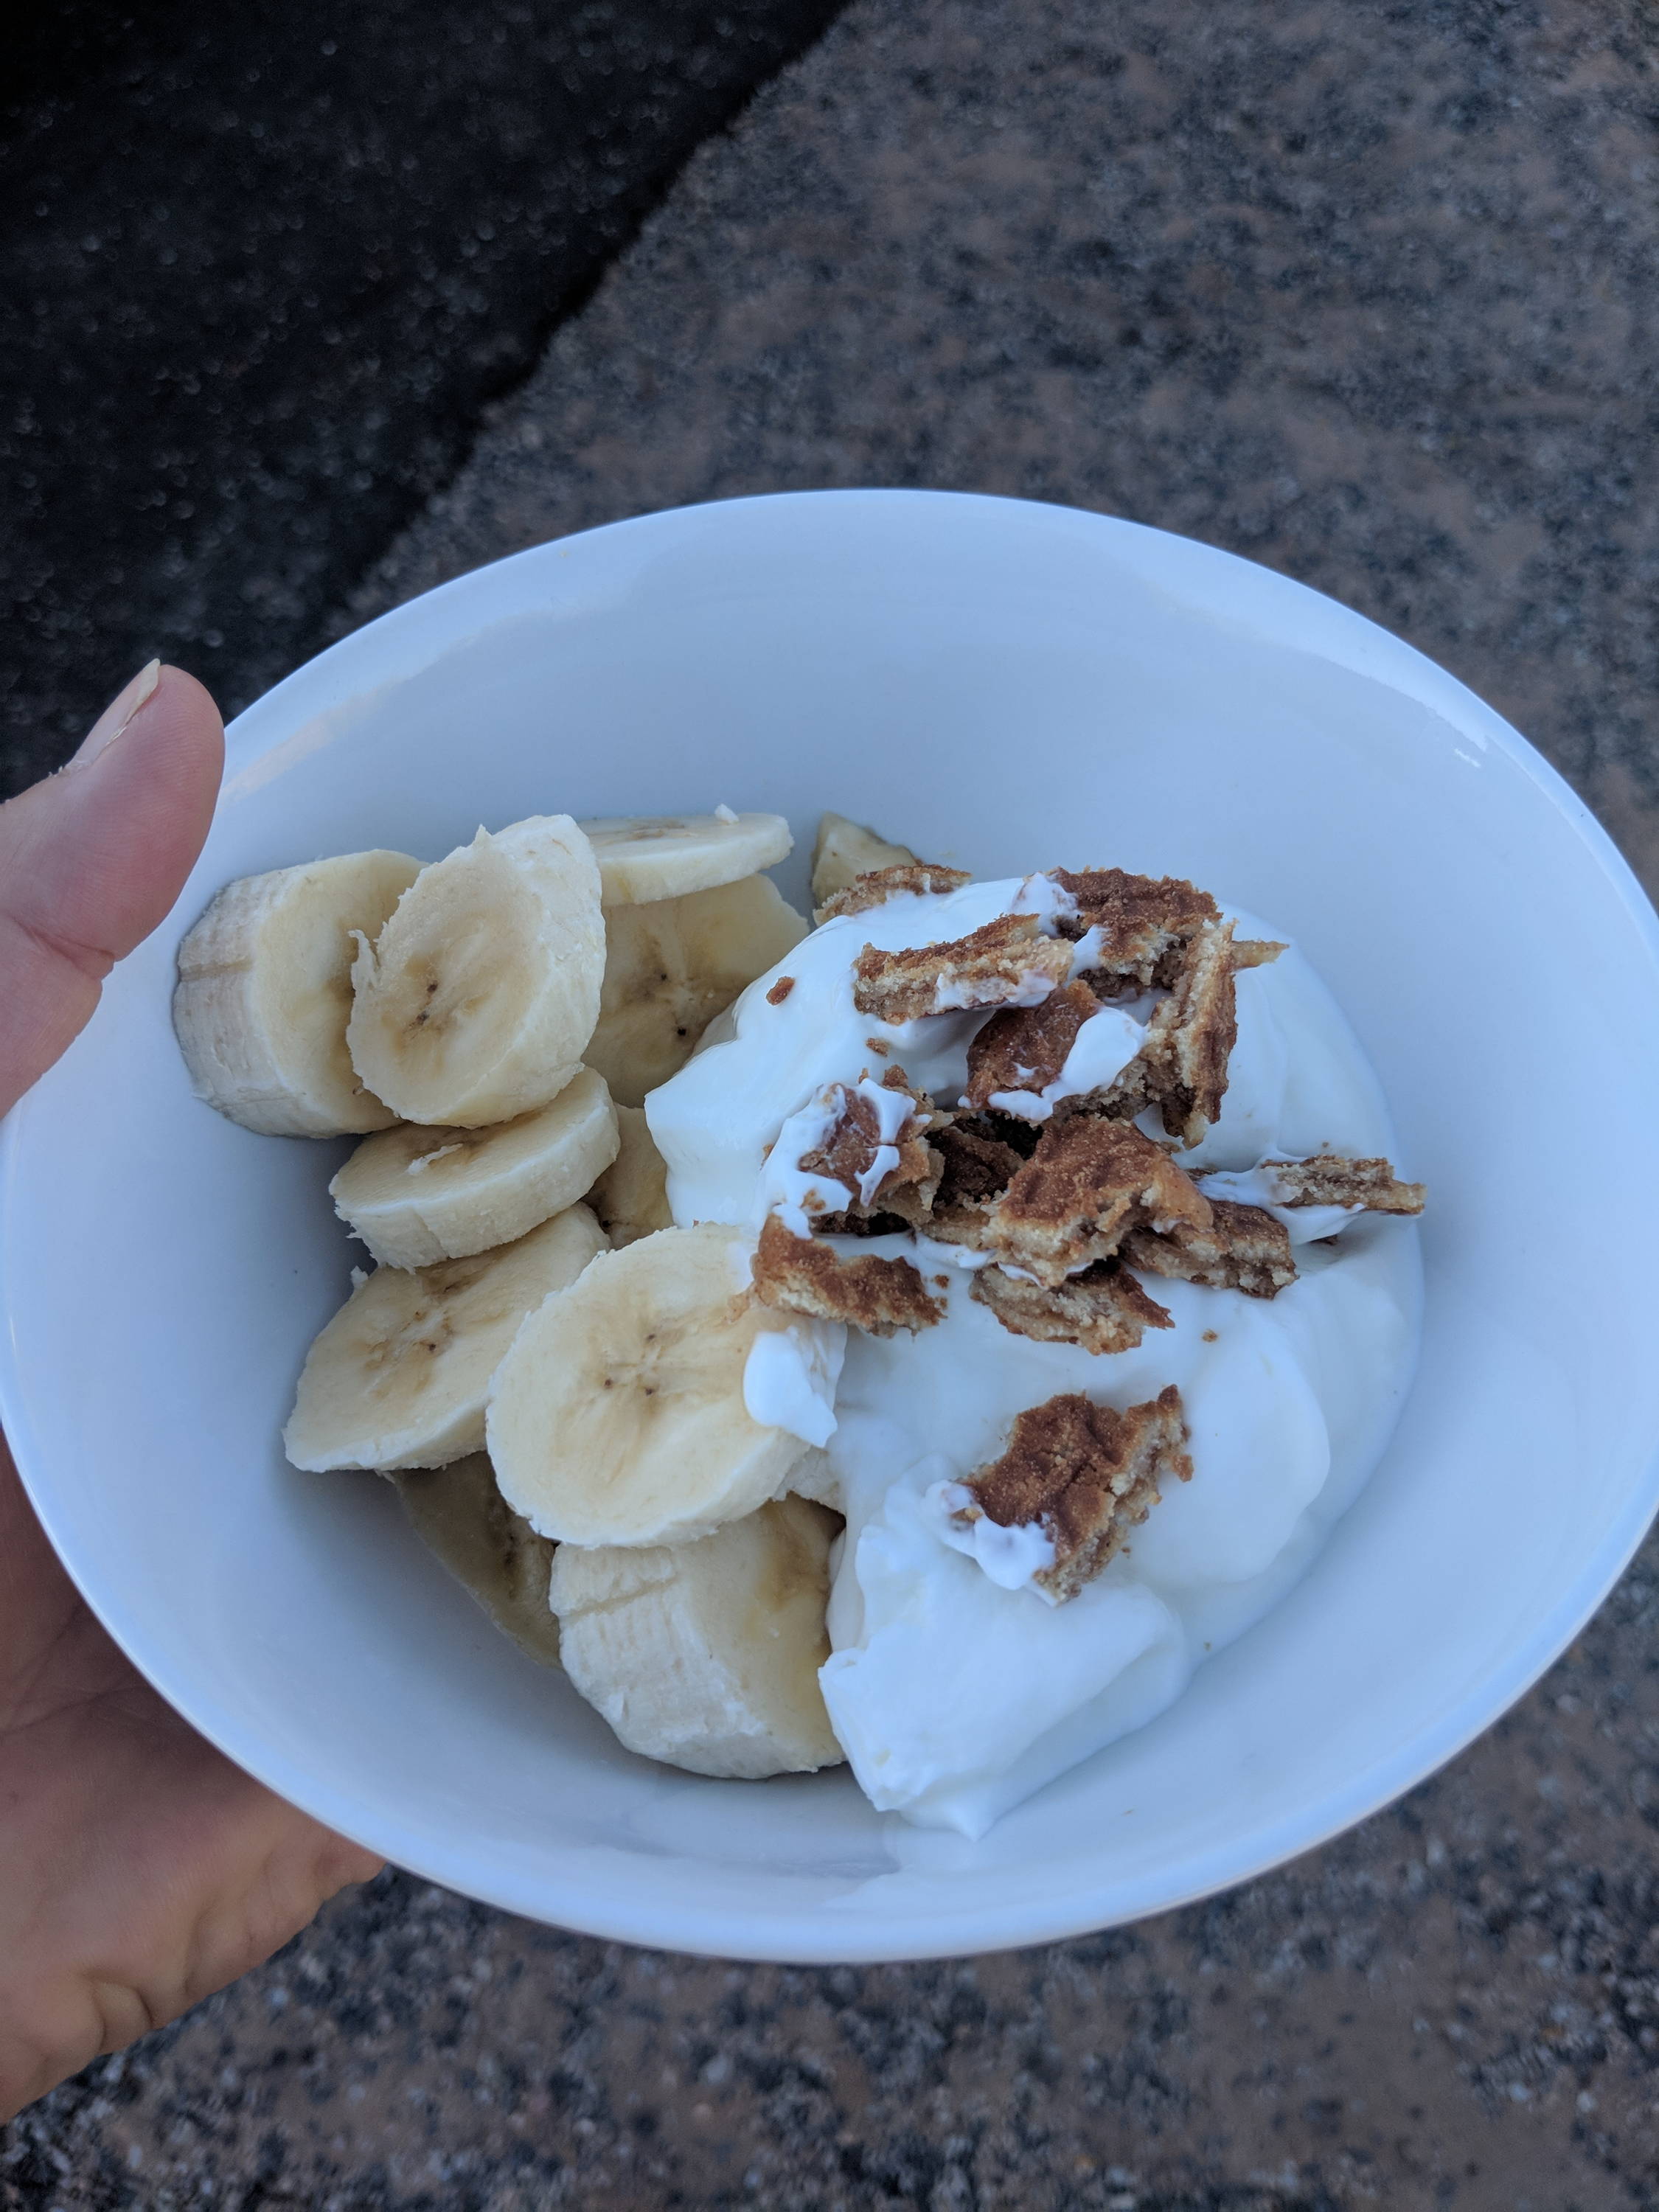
(1367, 294)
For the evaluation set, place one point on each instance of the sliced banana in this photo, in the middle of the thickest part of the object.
(813, 1476)
(842, 851)
(475, 1003)
(707, 1655)
(619, 1415)
(399, 1377)
(631, 1196)
(672, 966)
(419, 1195)
(658, 856)
(462, 1518)
(264, 994)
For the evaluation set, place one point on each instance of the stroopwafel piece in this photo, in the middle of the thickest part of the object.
(1326, 1180)
(807, 1276)
(1089, 1183)
(879, 1153)
(1190, 1037)
(1085, 1475)
(1145, 922)
(1243, 1248)
(877, 885)
(1023, 1048)
(1006, 963)
(1104, 1309)
(977, 1168)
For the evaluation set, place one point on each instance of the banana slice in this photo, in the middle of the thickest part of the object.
(619, 1415)
(842, 851)
(813, 1476)
(416, 1196)
(631, 1196)
(475, 1003)
(707, 1655)
(462, 1518)
(264, 994)
(671, 967)
(399, 1377)
(658, 856)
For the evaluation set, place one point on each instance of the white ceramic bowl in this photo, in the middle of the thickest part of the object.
(1010, 685)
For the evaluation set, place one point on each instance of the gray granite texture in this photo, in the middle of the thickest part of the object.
(259, 271)
(1365, 292)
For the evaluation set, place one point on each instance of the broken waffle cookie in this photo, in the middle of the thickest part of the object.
(879, 1151)
(877, 885)
(808, 1276)
(1024, 1048)
(977, 1166)
(1242, 1249)
(1085, 1475)
(1007, 962)
(1136, 926)
(1191, 1036)
(1104, 1309)
(1329, 1180)
(1089, 1183)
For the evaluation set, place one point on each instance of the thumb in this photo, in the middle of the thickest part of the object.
(92, 859)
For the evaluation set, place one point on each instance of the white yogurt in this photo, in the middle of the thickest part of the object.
(955, 1689)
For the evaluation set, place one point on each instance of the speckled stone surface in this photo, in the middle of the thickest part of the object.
(1367, 294)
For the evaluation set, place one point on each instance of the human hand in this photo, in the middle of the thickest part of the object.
(139, 1869)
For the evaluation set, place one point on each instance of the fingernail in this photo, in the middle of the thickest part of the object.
(118, 713)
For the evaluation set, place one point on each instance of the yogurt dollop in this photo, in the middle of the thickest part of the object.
(954, 1687)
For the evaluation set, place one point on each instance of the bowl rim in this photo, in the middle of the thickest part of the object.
(626, 1913)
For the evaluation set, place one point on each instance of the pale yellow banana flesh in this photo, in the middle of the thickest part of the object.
(264, 994)
(475, 1002)
(619, 1415)
(399, 1377)
(844, 850)
(631, 1196)
(707, 1655)
(419, 1195)
(656, 856)
(672, 966)
(462, 1520)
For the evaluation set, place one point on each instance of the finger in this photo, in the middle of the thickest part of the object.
(92, 859)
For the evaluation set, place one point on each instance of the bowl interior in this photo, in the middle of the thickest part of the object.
(1005, 686)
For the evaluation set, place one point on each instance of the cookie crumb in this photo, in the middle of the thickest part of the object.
(780, 990)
